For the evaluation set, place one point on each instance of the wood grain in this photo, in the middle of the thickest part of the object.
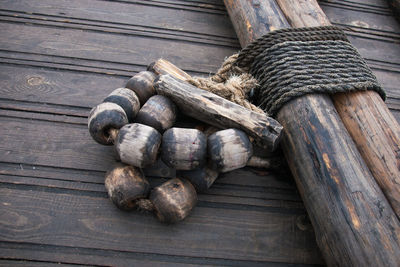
(366, 117)
(91, 222)
(338, 190)
(219, 112)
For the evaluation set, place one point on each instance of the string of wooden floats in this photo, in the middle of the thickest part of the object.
(138, 144)
(352, 219)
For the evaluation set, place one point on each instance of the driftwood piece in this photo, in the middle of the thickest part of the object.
(353, 222)
(366, 117)
(217, 111)
(162, 67)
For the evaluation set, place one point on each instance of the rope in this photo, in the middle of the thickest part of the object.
(322, 33)
(292, 69)
(290, 63)
(144, 204)
(230, 82)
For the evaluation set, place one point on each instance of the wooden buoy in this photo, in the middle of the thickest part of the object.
(126, 184)
(142, 85)
(103, 118)
(138, 144)
(127, 99)
(158, 112)
(201, 178)
(173, 200)
(184, 149)
(353, 222)
(229, 149)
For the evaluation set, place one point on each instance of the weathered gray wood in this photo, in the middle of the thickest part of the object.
(103, 118)
(125, 184)
(142, 84)
(137, 144)
(338, 190)
(126, 99)
(217, 111)
(158, 112)
(93, 222)
(184, 149)
(229, 150)
(201, 178)
(272, 163)
(173, 200)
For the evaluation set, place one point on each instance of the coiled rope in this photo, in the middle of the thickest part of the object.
(290, 63)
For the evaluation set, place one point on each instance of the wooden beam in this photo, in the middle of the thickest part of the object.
(366, 117)
(219, 112)
(353, 222)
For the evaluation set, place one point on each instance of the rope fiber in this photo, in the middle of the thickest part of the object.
(289, 63)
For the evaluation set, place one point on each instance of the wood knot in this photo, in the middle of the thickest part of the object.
(303, 223)
(35, 81)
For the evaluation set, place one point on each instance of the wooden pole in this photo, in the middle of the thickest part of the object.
(366, 117)
(219, 112)
(353, 222)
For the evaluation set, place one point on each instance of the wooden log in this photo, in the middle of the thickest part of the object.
(217, 111)
(395, 6)
(353, 222)
(162, 67)
(366, 117)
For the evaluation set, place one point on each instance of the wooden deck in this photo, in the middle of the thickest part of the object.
(60, 58)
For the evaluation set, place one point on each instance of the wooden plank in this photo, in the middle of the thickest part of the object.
(99, 257)
(69, 93)
(149, 17)
(66, 153)
(220, 195)
(377, 50)
(108, 47)
(113, 28)
(57, 87)
(241, 182)
(383, 22)
(94, 223)
(26, 254)
(372, 8)
(34, 263)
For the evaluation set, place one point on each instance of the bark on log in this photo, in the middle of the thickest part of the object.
(366, 117)
(395, 6)
(217, 111)
(353, 222)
